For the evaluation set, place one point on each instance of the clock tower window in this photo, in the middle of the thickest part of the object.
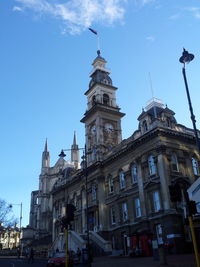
(93, 100)
(106, 99)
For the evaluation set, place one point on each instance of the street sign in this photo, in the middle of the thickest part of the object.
(194, 193)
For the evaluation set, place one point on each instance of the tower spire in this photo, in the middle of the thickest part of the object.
(46, 147)
(74, 141)
(45, 157)
(75, 152)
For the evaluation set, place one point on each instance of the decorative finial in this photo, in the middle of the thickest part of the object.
(98, 53)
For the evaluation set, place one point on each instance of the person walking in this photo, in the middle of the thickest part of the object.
(31, 256)
(78, 253)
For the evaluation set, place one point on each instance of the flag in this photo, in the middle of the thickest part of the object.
(95, 32)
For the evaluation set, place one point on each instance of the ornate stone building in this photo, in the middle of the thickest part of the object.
(127, 180)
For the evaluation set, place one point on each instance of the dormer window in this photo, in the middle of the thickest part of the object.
(105, 99)
(145, 127)
(168, 121)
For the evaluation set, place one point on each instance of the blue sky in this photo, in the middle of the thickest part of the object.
(46, 51)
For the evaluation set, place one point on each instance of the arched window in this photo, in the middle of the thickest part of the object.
(134, 173)
(195, 166)
(152, 165)
(174, 163)
(145, 126)
(122, 179)
(105, 99)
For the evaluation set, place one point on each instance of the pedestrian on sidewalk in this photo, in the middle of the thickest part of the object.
(31, 256)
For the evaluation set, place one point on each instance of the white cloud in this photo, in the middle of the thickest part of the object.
(194, 10)
(78, 15)
(147, 1)
(150, 38)
(174, 17)
(17, 8)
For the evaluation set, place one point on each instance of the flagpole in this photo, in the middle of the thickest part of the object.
(98, 43)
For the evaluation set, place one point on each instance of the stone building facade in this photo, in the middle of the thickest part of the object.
(127, 180)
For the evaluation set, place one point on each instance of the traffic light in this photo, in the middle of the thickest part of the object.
(175, 193)
(192, 207)
(66, 220)
(70, 212)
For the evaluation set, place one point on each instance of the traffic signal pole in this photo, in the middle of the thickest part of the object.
(194, 241)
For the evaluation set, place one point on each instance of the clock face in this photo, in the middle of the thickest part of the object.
(108, 127)
(93, 130)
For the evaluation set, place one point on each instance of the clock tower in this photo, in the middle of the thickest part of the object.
(103, 117)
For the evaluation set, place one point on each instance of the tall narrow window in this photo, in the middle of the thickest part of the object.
(105, 99)
(174, 163)
(94, 193)
(93, 100)
(168, 121)
(110, 184)
(134, 173)
(124, 211)
(112, 214)
(152, 165)
(122, 179)
(137, 207)
(156, 201)
(195, 166)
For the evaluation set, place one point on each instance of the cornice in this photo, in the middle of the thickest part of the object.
(121, 149)
(103, 108)
(101, 84)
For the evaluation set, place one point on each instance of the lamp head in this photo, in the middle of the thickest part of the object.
(62, 154)
(186, 57)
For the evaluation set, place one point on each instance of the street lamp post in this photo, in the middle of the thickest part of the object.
(20, 220)
(186, 58)
(84, 157)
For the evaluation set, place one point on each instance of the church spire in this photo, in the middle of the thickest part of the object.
(45, 157)
(75, 152)
(45, 147)
(74, 141)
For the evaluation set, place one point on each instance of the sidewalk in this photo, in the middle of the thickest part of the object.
(187, 260)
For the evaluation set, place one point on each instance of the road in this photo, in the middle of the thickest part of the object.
(13, 262)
